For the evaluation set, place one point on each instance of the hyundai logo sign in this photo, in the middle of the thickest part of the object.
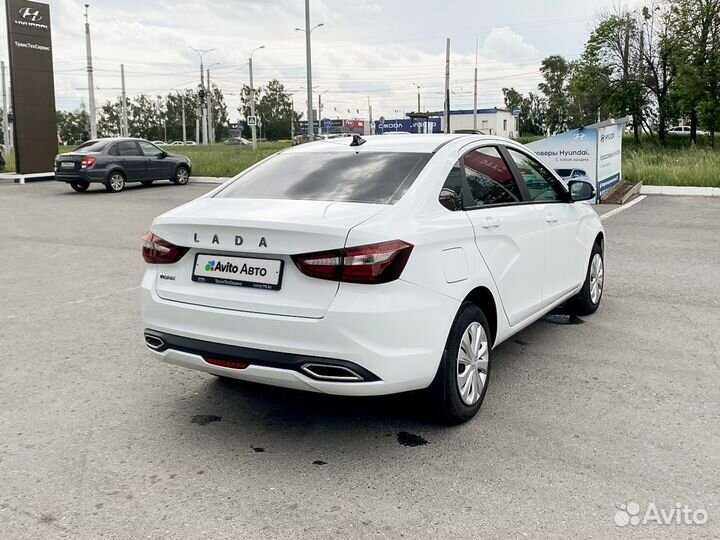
(30, 14)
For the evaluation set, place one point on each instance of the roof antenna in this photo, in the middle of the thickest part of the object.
(357, 140)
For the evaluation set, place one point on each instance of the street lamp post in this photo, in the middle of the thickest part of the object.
(91, 84)
(252, 99)
(201, 109)
(416, 85)
(308, 61)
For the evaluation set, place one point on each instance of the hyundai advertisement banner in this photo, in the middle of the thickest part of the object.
(609, 156)
(591, 154)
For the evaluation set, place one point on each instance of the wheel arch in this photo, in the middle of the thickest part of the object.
(484, 299)
(113, 169)
(600, 241)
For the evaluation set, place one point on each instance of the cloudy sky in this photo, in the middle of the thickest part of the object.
(376, 49)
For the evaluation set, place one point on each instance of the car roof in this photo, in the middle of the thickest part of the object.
(420, 143)
(108, 139)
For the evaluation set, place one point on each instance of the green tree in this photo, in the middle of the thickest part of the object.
(273, 106)
(556, 72)
(532, 111)
(606, 80)
(73, 126)
(696, 55)
(658, 69)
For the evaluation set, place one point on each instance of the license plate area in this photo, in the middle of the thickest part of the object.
(238, 271)
(67, 164)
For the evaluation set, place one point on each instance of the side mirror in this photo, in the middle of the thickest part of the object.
(580, 190)
(449, 199)
(163, 154)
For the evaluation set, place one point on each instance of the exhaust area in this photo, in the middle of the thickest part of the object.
(327, 372)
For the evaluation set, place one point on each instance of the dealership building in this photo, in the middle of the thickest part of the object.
(492, 121)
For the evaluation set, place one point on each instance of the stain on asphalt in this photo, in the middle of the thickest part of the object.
(47, 518)
(562, 318)
(258, 448)
(204, 419)
(521, 342)
(410, 439)
(319, 462)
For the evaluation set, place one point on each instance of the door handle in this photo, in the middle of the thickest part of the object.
(489, 222)
(551, 218)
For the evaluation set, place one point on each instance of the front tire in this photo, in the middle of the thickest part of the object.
(588, 299)
(80, 186)
(462, 379)
(182, 176)
(116, 182)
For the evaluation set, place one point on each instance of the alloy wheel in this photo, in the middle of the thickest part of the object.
(117, 182)
(596, 278)
(472, 363)
(182, 176)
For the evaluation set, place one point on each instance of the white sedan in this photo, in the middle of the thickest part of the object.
(371, 266)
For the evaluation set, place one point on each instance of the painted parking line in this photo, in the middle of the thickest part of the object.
(623, 207)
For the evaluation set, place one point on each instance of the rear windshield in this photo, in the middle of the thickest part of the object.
(366, 177)
(91, 146)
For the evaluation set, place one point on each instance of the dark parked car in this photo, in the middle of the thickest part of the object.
(114, 162)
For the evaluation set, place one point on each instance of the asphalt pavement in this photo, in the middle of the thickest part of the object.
(99, 440)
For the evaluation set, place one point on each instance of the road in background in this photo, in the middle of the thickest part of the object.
(96, 438)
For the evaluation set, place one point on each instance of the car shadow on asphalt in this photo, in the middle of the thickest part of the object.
(246, 405)
(99, 189)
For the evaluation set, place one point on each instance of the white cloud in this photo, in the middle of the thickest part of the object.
(365, 48)
(505, 44)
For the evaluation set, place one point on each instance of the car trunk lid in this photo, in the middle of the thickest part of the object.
(220, 230)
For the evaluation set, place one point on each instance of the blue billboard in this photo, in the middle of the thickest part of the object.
(432, 125)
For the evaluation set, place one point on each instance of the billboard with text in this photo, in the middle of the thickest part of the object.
(32, 85)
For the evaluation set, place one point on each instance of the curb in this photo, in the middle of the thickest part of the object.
(681, 190)
(209, 179)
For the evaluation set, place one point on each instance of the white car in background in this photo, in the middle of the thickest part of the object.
(371, 266)
(684, 131)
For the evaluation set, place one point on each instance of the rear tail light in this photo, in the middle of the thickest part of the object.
(155, 250)
(87, 162)
(373, 263)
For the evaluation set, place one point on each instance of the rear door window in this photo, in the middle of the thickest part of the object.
(128, 148)
(366, 177)
(489, 178)
(91, 146)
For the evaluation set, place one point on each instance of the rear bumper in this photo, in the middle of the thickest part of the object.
(393, 334)
(91, 176)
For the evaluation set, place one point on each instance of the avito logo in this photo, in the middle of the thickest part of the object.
(217, 266)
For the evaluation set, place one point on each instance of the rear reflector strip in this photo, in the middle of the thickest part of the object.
(225, 363)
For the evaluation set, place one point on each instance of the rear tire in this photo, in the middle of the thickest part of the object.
(147, 183)
(462, 379)
(115, 182)
(588, 299)
(80, 186)
(182, 176)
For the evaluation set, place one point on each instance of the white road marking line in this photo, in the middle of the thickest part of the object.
(623, 207)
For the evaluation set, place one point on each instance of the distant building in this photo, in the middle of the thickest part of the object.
(493, 121)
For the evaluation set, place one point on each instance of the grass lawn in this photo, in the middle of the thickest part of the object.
(657, 166)
(224, 160)
(215, 160)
